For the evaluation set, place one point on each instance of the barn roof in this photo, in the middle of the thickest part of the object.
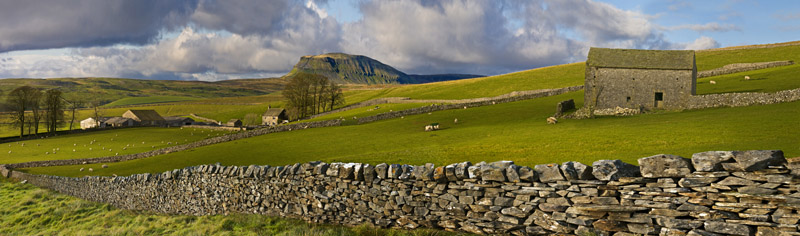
(117, 120)
(641, 59)
(147, 115)
(234, 120)
(273, 112)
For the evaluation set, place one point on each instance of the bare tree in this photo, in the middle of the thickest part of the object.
(74, 103)
(36, 108)
(95, 104)
(309, 94)
(19, 101)
(54, 110)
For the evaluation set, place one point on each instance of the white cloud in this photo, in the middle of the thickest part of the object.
(252, 38)
(711, 26)
(701, 43)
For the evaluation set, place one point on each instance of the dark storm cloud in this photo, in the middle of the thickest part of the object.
(41, 24)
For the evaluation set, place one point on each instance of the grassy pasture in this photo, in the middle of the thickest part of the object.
(148, 100)
(510, 131)
(28, 210)
(100, 143)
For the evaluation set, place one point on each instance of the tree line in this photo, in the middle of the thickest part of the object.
(308, 94)
(31, 107)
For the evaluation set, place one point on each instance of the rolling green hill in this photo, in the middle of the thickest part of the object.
(357, 69)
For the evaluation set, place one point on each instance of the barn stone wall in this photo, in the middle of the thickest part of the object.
(722, 192)
(742, 67)
(637, 88)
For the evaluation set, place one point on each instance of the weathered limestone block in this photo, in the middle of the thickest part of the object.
(474, 172)
(547, 222)
(427, 173)
(381, 169)
(689, 182)
(512, 174)
(394, 172)
(711, 160)
(368, 172)
(333, 169)
(407, 171)
(727, 228)
(574, 170)
(495, 171)
(609, 225)
(526, 174)
(347, 170)
(664, 165)
(450, 172)
(548, 173)
(613, 170)
(759, 159)
(461, 170)
(439, 174)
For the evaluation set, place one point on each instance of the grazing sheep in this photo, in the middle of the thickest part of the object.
(9, 152)
(73, 150)
(746, 77)
(712, 82)
(81, 170)
(551, 120)
(46, 153)
(90, 169)
(455, 121)
(104, 166)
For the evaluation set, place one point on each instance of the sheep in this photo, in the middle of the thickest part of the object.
(81, 170)
(90, 169)
(104, 166)
(455, 121)
(712, 82)
(746, 77)
(551, 120)
(9, 152)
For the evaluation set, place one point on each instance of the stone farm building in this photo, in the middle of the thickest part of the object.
(234, 123)
(273, 116)
(120, 122)
(90, 122)
(174, 121)
(632, 78)
(145, 117)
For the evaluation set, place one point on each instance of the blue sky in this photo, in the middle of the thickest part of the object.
(217, 40)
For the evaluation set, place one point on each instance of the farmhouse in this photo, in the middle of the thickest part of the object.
(234, 123)
(90, 122)
(646, 79)
(119, 122)
(145, 117)
(273, 116)
(174, 121)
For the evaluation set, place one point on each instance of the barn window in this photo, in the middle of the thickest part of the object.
(628, 99)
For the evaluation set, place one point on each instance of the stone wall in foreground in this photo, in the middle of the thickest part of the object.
(718, 192)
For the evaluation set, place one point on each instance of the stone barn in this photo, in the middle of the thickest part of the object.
(176, 121)
(120, 122)
(633, 78)
(145, 117)
(234, 123)
(274, 116)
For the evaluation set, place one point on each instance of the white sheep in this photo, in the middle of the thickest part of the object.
(712, 82)
(455, 121)
(81, 170)
(90, 169)
(552, 120)
(746, 77)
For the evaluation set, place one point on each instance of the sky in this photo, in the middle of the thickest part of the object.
(212, 40)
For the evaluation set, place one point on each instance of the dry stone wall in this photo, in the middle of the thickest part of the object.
(713, 193)
(742, 99)
(513, 97)
(742, 67)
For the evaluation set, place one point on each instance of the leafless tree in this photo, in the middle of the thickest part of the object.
(54, 110)
(19, 101)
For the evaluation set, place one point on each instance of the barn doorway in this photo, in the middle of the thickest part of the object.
(659, 100)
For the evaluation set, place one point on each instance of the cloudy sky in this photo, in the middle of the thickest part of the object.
(216, 40)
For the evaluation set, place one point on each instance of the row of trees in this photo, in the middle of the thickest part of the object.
(31, 107)
(309, 94)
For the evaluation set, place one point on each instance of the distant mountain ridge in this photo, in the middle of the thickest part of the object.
(358, 69)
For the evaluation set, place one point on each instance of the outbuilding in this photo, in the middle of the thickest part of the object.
(145, 117)
(177, 121)
(639, 79)
(234, 123)
(119, 122)
(274, 116)
(91, 122)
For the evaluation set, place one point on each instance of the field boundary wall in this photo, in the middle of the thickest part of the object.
(718, 192)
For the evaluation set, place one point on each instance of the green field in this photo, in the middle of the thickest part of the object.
(28, 210)
(367, 111)
(148, 100)
(102, 143)
(511, 131)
